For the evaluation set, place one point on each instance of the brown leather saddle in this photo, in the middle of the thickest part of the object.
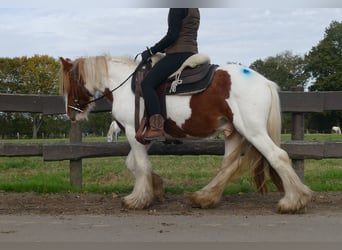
(190, 81)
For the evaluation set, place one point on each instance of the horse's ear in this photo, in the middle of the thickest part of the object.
(66, 63)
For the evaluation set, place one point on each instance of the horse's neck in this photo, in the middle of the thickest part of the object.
(123, 97)
(119, 80)
(118, 73)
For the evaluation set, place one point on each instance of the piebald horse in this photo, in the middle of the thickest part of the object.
(237, 98)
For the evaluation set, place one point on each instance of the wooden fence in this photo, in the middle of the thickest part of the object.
(297, 102)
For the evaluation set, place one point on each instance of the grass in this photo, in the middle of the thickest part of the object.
(106, 175)
(180, 173)
(324, 175)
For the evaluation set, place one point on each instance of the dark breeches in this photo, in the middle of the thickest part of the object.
(157, 75)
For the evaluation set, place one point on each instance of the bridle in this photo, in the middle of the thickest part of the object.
(78, 106)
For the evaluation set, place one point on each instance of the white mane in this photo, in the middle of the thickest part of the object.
(124, 60)
(94, 69)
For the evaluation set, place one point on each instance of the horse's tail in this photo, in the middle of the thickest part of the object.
(274, 117)
(254, 159)
(274, 131)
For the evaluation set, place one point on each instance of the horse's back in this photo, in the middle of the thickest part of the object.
(249, 88)
(244, 78)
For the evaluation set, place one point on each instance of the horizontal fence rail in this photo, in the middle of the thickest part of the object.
(76, 151)
(296, 102)
(50, 104)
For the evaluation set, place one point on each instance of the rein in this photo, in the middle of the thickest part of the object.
(79, 106)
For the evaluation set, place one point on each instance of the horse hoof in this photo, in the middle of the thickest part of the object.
(192, 199)
(200, 200)
(129, 202)
(294, 206)
(285, 209)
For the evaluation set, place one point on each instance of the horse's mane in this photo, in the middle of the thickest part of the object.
(128, 60)
(91, 69)
(64, 80)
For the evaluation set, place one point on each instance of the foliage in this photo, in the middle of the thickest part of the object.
(55, 126)
(323, 122)
(324, 64)
(29, 75)
(97, 123)
(14, 124)
(324, 61)
(286, 69)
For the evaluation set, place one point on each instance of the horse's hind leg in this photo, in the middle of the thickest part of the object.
(297, 195)
(211, 194)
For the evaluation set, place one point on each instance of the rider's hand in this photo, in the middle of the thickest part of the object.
(146, 54)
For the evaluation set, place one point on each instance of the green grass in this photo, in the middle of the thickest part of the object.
(180, 173)
(324, 175)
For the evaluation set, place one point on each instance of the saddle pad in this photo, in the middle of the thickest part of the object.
(192, 62)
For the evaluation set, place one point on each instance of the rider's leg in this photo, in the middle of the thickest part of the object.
(158, 74)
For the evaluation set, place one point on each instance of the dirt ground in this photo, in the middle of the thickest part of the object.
(323, 203)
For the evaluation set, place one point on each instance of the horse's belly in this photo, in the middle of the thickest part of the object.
(178, 108)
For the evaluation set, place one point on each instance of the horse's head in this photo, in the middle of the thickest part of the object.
(73, 88)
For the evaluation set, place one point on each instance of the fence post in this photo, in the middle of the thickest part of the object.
(298, 134)
(76, 165)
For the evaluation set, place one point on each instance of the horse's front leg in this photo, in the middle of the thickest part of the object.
(148, 186)
(140, 166)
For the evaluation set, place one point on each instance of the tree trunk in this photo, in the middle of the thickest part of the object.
(37, 122)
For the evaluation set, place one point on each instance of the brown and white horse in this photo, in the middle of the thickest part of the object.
(237, 96)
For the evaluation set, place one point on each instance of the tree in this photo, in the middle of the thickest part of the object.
(9, 74)
(324, 61)
(30, 75)
(55, 126)
(324, 64)
(97, 123)
(286, 69)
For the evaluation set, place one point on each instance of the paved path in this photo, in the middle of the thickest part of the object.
(169, 228)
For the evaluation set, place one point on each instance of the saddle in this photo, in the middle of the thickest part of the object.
(192, 77)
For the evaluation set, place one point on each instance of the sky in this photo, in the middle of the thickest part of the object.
(226, 34)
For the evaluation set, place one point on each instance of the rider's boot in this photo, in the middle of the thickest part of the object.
(156, 129)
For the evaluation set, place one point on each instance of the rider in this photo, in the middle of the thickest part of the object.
(179, 43)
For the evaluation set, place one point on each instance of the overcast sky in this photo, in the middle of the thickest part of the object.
(240, 35)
